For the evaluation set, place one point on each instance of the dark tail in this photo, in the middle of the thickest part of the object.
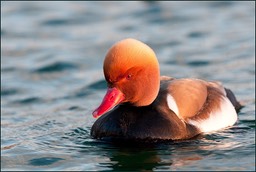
(233, 100)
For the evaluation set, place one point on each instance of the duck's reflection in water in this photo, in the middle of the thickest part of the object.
(149, 157)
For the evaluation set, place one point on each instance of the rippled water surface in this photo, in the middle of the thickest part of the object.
(51, 81)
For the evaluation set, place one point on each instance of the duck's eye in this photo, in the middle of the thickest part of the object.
(129, 76)
(110, 80)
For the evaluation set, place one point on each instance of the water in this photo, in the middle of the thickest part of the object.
(51, 81)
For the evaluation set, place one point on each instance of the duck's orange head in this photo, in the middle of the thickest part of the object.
(132, 72)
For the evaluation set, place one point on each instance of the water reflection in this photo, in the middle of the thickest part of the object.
(127, 160)
(151, 157)
(137, 156)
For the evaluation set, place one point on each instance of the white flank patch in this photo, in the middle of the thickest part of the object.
(219, 118)
(172, 104)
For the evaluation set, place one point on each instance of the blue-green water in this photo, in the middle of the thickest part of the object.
(51, 81)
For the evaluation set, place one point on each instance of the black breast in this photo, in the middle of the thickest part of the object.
(130, 122)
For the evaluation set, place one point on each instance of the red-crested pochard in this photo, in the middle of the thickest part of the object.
(139, 104)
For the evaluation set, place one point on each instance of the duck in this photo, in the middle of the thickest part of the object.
(139, 104)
